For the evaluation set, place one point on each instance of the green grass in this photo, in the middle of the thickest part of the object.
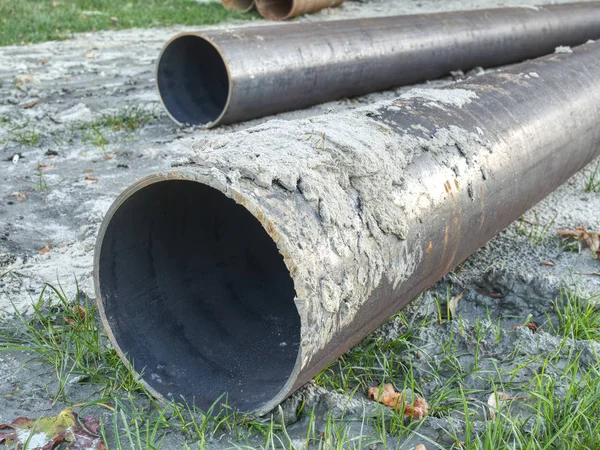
(578, 315)
(559, 405)
(592, 184)
(66, 334)
(533, 230)
(29, 21)
(23, 134)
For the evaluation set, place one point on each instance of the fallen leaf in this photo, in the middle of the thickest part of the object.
(420, 447)
(30, 105)
(548, 263)
(20, 196)
(45, 166)
(491, 294)
(80, 311)
(396, 400)
(46, 248)
(453, 304)
(589, 239)
(91, 179)
(594, 273)
(47, 432)
(497, 400)
(532, 326)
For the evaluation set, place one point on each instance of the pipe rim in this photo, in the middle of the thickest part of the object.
(267, 226)
(238, 5)
(205, 37)
(266, 10)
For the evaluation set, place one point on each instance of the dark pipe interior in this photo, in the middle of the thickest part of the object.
(275, 9)
(198, 296)
(192, 81)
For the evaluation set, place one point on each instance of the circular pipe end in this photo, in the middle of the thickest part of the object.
(275, 9)
(238, 5)
(193, 81)
(196, 297)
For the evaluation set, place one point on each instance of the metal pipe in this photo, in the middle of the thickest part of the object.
(238, 5)
(220, 77)
(286, 9)
(248, 268)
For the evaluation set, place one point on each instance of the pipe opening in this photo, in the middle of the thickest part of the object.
(275, 9)
(192, 80)
(198, 297)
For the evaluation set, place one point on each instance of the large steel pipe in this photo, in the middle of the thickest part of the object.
(221, 77)
(286, 9)
(252, 265)
(238, 5)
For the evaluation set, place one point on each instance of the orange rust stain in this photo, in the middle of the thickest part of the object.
(428, 254)
(238, 198)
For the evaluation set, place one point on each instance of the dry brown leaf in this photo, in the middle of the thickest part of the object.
(91, 179)
(491, 294)
(46, 248)
(20, 196)
(389, 397)
(548, 263)
(453, 304)
(70, 321)
(532, 326)
(80, 311)
(594, 273)
(48, 433)
(45, 166)
(420, 447)
(30, 105)
(589, 239)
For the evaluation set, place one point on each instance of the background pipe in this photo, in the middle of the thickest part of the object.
(238, 5)
(286, 9)
(268, 253)
(220, 77)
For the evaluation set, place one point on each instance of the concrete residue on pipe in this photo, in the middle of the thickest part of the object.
(238, 5)
(269, 252)
(219, 77)
(286, 9)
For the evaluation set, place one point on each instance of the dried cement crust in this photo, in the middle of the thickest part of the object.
(334, 200)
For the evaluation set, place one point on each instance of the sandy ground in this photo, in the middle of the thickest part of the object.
(55, 91)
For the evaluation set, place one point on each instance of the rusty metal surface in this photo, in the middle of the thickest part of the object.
(238, 5)
(540, 124)
(221, 77)
(509, 138)
(286, 9)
